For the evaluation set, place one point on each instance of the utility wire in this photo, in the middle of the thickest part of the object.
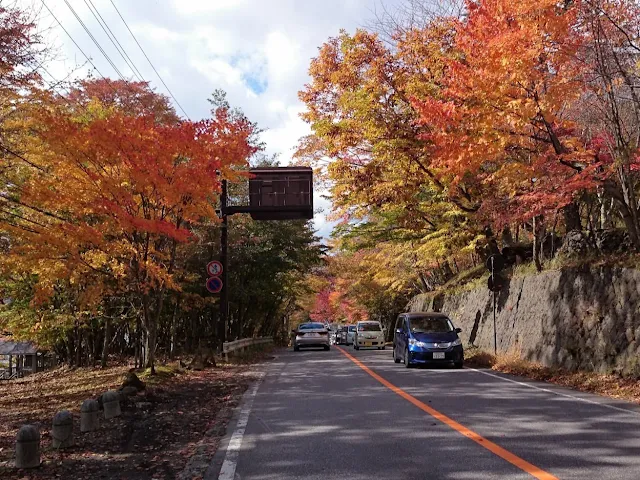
(74, 42)
(148, 60)
(94, 40)
(114, 40)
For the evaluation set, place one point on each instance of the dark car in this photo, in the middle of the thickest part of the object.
(429, 337)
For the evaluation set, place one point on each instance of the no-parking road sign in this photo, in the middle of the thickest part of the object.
(214, 285)
(214, 268)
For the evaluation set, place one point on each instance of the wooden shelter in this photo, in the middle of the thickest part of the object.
(22, 358)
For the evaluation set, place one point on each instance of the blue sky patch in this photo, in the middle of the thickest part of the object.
(257, 85)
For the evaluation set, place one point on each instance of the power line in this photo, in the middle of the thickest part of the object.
(94, 39)
(74, 42)
(148, 60)
(114, 40)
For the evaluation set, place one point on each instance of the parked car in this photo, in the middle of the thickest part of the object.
(351, 332)
(422, 338)
(341, 335)
(369, 334)
(311, 334)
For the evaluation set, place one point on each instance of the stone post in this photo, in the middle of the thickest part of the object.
(28, 447)
(89, 416)
(62, 432)
(111, 404)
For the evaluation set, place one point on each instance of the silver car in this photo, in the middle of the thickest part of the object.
(311, 334)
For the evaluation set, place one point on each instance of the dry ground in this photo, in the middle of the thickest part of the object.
(181, 413)
(609, 385)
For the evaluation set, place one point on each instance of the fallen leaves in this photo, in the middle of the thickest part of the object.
(140, 444)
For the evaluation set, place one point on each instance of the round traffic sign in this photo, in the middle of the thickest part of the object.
(214, 285)
(495, 263)
(214, 268)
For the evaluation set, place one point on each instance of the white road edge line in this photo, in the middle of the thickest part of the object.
(228, 470)
(566, 395)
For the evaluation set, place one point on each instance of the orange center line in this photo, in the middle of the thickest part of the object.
(479, 439)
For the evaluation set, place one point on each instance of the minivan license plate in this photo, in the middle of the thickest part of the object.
(438, 355)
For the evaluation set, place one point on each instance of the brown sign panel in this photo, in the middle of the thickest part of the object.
(281, 193)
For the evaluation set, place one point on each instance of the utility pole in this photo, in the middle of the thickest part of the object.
(224, 243)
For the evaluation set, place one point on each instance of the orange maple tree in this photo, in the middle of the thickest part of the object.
(116, 187)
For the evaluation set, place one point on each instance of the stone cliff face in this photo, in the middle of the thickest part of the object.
(574, 318)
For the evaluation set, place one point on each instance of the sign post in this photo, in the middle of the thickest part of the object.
(275, 193)
(495, 263)
(224, 243)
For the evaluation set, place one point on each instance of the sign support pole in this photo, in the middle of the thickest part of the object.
(495, 334)
(224, 243)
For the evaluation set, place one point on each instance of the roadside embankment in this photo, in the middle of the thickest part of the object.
(585, 318)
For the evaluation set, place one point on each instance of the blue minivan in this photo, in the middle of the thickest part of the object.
(427, 337)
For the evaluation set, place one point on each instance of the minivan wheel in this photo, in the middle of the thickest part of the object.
(459, 364)
(407, 363)
(395, 359)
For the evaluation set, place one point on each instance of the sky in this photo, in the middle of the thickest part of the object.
(258, 51)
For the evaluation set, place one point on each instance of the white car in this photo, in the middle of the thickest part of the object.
(311, 334)
(369, 334)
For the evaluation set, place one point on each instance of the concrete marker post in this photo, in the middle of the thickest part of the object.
(62, 432)
(111, 404)
(89, 416)
(28, 447)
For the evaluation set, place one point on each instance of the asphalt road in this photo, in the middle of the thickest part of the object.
(320, 415)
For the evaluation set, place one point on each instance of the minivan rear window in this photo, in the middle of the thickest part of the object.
(369, 327)
(352, 328)
(430, 324)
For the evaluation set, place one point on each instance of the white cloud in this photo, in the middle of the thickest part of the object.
(205, 6)
(258, 51)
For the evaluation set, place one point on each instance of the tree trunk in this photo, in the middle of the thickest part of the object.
(536, 246)
(78, 345)
(105, 344)
(150, 350)
(507, 237)
(92, 339)
(572, 218)
(172, 347)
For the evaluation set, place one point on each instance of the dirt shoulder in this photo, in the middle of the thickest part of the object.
(608, 385)
(181, 416)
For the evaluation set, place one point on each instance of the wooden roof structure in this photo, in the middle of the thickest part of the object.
(10, 347)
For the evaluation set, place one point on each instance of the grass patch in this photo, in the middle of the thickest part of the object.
(465, 279)
(474, 357)
(163, 373)
(608, 385)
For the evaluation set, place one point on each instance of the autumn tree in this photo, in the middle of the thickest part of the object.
(115, 191)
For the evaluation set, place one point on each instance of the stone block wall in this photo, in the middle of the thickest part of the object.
(583, 318)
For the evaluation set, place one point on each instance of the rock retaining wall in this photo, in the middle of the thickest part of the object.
(587, 318)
